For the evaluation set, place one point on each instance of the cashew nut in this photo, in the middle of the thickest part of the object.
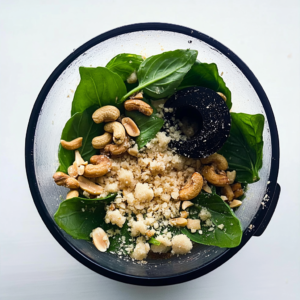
(238, 193)
(131, 127)
(89, 186)
(72, 145)
(132, 78)
(235, 203)
(139, 105)
(206, 188)
(231, 176)
(182, 222)
(209, 173)
(186, 204)
(134, 151)
(193, 224)
(106, 113)
(192, 188)
(224, 198)
(117, 149)
(63, 179)
(99, 142)
(237, 190)
(184, 214)
(222, 95)
(72, 194)
(118, 131)
(216, 159)
(138, 96)
(100, 166)
(227, 191)
(100, 239)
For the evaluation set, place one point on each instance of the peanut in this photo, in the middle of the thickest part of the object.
(73, 170)
(89, 186)
(72, 194)
(100, 239)
(235, 203)
(130, 127)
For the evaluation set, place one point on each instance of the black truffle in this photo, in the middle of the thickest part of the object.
(208, 110)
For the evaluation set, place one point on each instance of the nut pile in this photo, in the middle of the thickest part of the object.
(154, 185)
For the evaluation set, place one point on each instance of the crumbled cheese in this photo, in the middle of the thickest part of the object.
(140, 251)
(164, 247)
(138, 227)
(204, 214)
(86, 194)
(125, 178)
(181, 244)
(114, 217)
(221, 226)
(112, 188)
(143, 192)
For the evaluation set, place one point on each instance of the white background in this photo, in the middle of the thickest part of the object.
(35, 36)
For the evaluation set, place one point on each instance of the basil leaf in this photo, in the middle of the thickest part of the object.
(79, 216)
(206, 75)
(230, 236)
(124, 64)
(244, 147)
(119, 241)
(153, 241)
(79, 125)
(148, 126)
(159, 75)
(97, 86)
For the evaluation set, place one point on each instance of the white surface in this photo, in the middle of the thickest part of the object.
(37, 35)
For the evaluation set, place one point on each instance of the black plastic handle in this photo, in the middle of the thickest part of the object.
(260, 230)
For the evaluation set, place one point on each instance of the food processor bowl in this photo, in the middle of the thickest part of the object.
(52, 109)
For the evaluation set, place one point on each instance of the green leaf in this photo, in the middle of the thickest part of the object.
(117, 242)
(153, 241)
(230, 236)
(159, 75)
(244, 147)
(79, 216)
(206, 75)
(79, 125)
(97, 86)
(124, 64)
(149, 126)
